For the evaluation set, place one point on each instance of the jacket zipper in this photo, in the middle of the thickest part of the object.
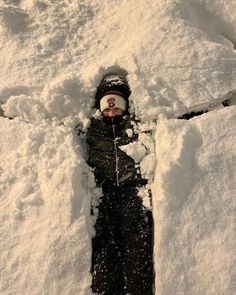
(116, 155)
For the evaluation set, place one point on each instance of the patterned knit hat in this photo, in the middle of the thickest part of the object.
(112, 83)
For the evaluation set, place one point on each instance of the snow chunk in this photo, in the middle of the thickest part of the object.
(135, 150)
(129, 132)
(145, 195)
(147, 166)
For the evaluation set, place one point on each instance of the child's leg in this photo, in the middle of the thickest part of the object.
(137, 245)
(106, 255)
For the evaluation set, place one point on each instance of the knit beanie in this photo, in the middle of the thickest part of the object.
(112, 83)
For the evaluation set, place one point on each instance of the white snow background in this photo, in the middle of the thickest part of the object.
(180, 57)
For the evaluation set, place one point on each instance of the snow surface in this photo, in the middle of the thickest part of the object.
(194, 208)
(180, 57)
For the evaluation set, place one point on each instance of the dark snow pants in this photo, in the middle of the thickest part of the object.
(122, 248)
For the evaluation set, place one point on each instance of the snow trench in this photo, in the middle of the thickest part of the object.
(47, 191)
(180, 59)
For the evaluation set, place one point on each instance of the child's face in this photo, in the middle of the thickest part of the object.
(112, 112)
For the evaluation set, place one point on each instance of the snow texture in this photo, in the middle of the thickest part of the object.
(195, 190)
(179, 57)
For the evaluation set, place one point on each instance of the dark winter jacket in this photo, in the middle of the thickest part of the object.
(113, 167)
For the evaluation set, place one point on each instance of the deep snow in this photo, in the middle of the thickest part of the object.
(180, 57)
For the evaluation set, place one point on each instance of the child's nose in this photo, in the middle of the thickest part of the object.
(111, 113)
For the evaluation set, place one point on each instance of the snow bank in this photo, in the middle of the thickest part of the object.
(180, 57)
(194, 205)
(45, 206)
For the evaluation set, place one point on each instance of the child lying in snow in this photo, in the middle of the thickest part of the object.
(122, 247)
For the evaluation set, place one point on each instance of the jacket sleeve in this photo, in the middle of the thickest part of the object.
(100, 155)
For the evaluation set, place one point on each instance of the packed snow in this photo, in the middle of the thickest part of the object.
(179, 57)
(195, 205)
